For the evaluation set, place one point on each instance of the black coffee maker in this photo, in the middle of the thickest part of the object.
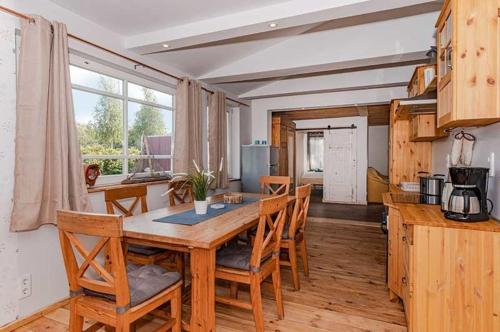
(468, 200)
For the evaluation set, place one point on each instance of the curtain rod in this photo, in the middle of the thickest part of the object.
(328, 128)
(29, 18)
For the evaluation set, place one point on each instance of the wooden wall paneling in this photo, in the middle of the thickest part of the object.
(406, 158)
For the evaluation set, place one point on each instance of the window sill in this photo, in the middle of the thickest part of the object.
(99, 188)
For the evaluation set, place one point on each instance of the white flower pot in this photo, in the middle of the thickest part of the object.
(200, 207)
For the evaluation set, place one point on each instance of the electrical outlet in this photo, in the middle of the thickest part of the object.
(25, 286)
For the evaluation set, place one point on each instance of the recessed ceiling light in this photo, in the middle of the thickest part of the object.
(273, 25)
(165, 45)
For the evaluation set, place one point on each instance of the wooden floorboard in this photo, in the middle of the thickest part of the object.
(346, 290)
(370, 212)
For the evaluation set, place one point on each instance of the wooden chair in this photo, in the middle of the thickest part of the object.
(275, 185)
(244, 264)
(139, 254)
(294, 234)
(180, 192)
(118, 297)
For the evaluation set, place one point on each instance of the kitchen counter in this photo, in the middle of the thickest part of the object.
(431, 215)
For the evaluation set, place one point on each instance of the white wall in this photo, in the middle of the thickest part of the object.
(261, 117)
(245, 125)
(361, 140)
(488, 140)
(8, 241)
(378, 148)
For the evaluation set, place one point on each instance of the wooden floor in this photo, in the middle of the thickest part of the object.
(370, 212)
(346, 289)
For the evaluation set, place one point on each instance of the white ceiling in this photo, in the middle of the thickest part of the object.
(229, 43)
(132, 17)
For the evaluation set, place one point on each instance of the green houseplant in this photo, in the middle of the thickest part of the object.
(200, 181)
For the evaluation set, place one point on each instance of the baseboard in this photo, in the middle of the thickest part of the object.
(28, 319)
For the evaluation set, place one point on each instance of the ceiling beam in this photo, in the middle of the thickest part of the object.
(386, 43)
(378, 115)
(292, 17)
(346, 81)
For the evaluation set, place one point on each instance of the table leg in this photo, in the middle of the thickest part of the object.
(203, 290)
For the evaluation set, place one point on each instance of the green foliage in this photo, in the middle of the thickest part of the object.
(108, 117)
(104, 134)
(148, 121)
(108, 166)
(200, 181)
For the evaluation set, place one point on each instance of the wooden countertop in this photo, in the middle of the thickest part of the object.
(431, 215)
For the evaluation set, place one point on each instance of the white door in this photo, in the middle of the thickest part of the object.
(340, 166)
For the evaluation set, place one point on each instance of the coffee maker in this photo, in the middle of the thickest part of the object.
(468, 201)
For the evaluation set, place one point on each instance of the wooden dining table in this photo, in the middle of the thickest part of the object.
(200, 241)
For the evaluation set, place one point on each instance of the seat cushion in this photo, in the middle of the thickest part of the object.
(144, 282)
(144, 250)
(236, 256)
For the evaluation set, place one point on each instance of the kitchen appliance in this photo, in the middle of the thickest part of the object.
(468, 200)
(431, 188)
(257, 160)
(445, 197)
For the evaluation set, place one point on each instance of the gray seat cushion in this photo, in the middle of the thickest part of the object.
(144, 282)
(144, 250)
(236, 256)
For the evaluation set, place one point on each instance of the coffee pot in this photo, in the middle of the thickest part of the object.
(468, 200)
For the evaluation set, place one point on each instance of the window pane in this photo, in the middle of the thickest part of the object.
(149, 130)
(95, 80)
(107, 166)
(139, 92)
(315, 142)
(148, 165)
(99, 121)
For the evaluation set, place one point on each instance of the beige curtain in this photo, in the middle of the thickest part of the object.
(217, 138)
(188, 143)
(48, 169)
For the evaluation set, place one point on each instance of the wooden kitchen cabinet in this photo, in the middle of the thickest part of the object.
(446, 273)
(423, 128)
(422, 80)
(467, 63)
(406, 158)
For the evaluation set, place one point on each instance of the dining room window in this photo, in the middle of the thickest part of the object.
(315, 151)
(124, 125)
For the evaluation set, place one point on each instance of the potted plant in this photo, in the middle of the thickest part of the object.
(200, 181)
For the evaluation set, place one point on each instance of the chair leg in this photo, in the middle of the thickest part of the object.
(303, 254)
(176, 310)
(256, 299)
(122, 324)
(233, 289)
(75, 320)
(180, 266)
(277, 291)
(292, 252)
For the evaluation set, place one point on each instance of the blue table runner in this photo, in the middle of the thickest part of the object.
(191, 218)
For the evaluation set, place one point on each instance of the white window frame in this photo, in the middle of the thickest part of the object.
(125, 77)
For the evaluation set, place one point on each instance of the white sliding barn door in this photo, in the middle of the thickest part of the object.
(339, 177)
